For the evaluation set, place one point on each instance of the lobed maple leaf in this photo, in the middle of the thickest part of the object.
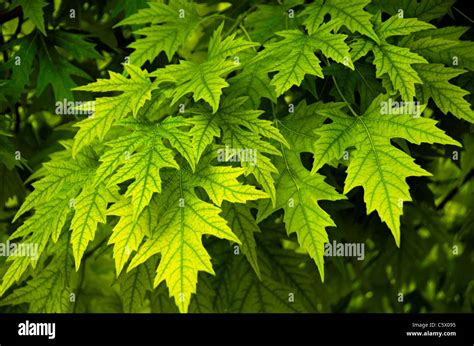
(184, 219)
(171, 26)
(205, 80)
(377, 166)
(135, 91)
(297, 191)
(293, 57)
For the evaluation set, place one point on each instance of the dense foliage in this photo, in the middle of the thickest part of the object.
(197, 156)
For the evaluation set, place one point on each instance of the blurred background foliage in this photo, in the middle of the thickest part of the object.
(433, 268)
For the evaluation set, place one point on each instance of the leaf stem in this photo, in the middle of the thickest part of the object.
(239, 20)
(247, 35)
(340, 93)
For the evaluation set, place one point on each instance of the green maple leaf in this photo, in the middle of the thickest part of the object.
(346, 12)
(447, 33)
(134, 285)
(448, 97)
(140, 154)
(171, 26)
(423, 9)
(242, 129)
(252, 81)
(377, 166)
(61, 180)
(205, 80)
(184, 219)
(33, 9)
(220, 183)
(396, 62)
(291, 268)
(56, 71)
(47, 222)
(107, 110)
(20, 73)
(298, 192)
(247, 294)
(393, 60)
(244, 226)
(401, 26)
(178, 239)
(161, 302)
(37, 230)
(203, 302)
(360, 48)
(16, 269)
(50, 223)
(90, 209)
(221, 48)
(7, 150)
(49, 290)
(293, 57)
(136, 90)
(45, 293)
(444, 50)
(75, 44)
(240, 290)
(129, 232)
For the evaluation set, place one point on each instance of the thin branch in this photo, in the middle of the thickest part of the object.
(17, 118)
(240, 19)
(464, 15)
(339, 91)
